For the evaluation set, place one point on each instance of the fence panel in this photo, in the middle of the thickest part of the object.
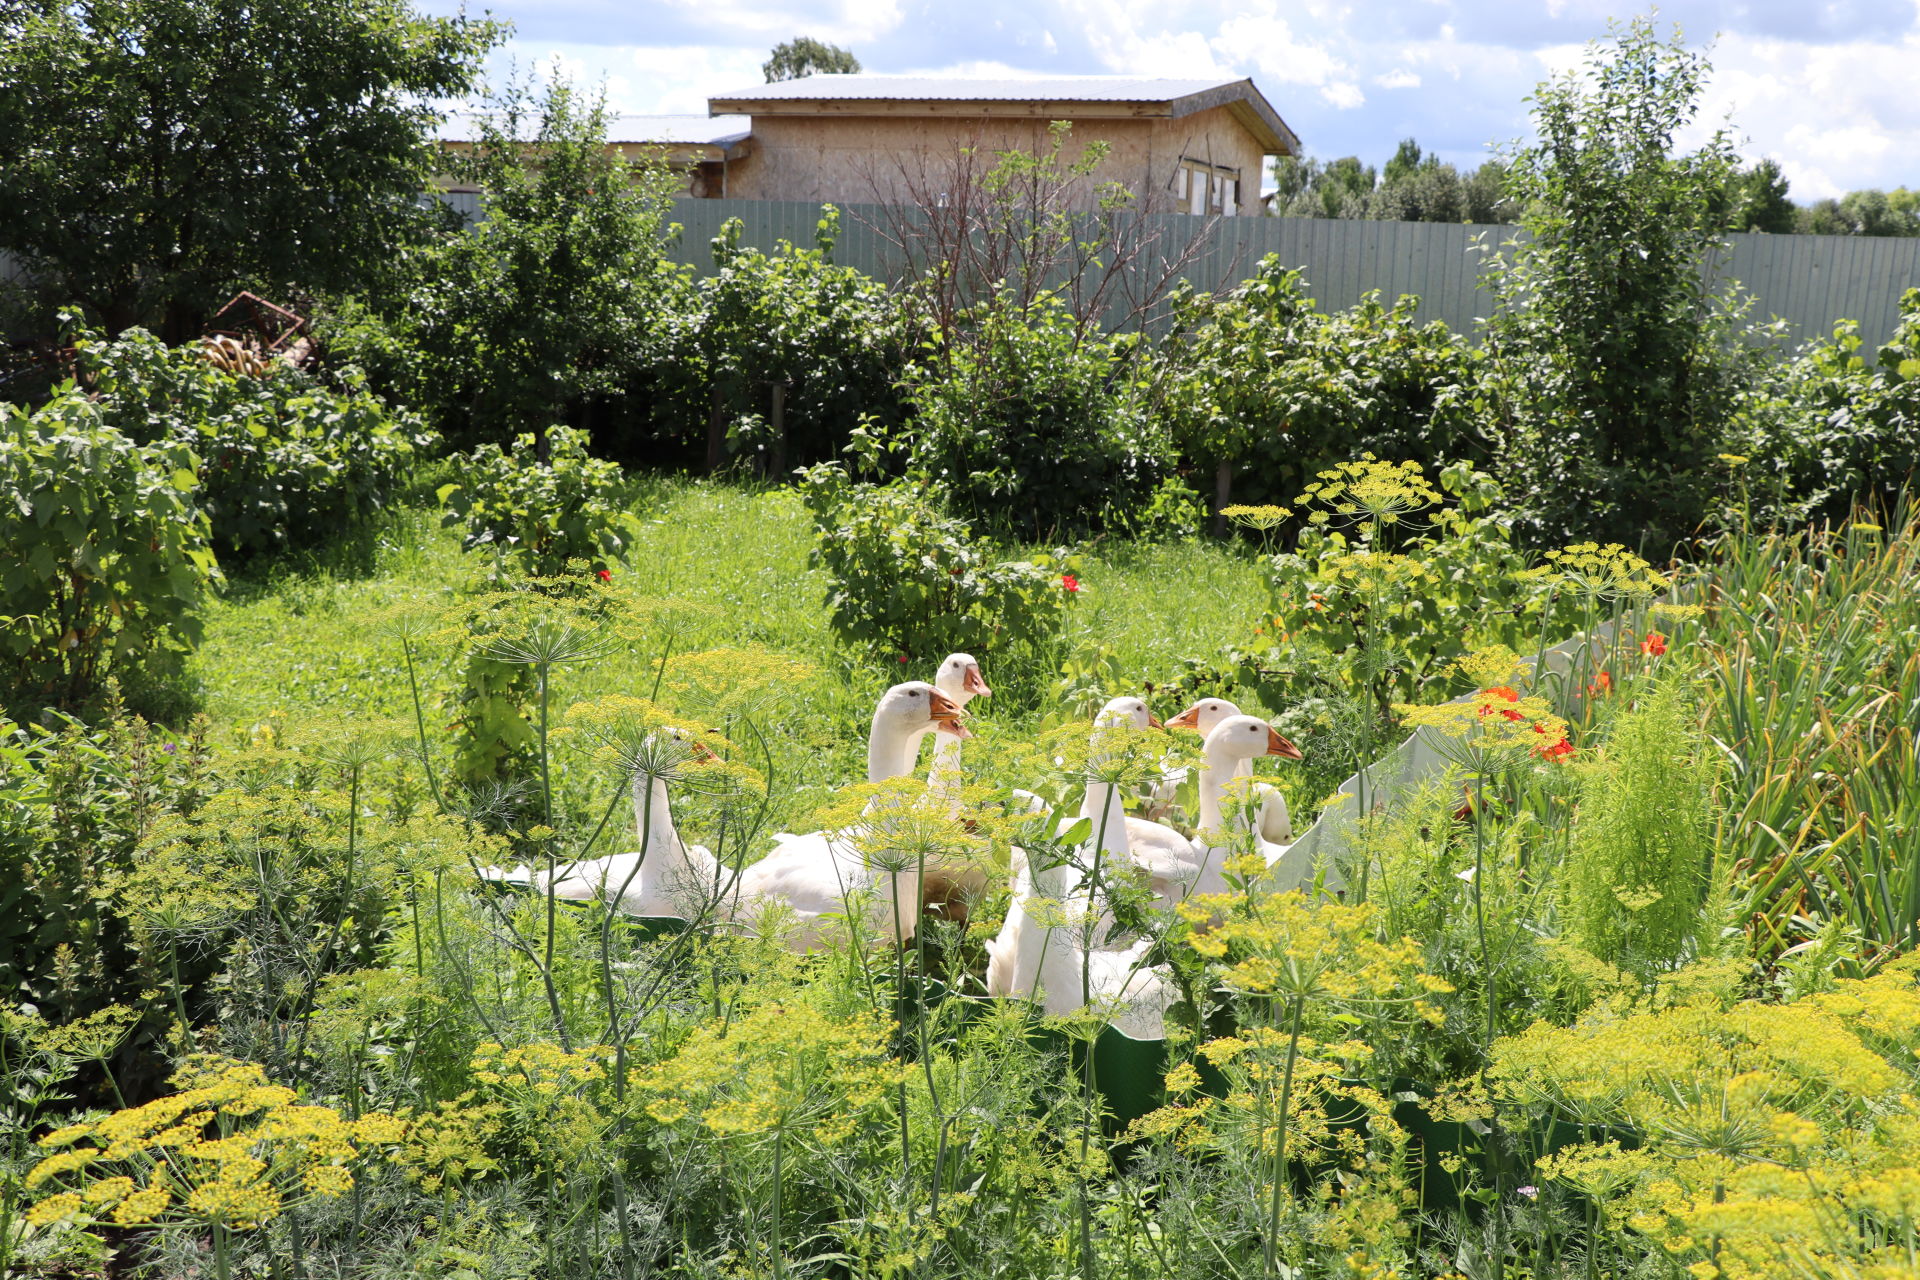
(1809, 281)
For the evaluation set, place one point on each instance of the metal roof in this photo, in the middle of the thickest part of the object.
(712, 131)
(1103, 95)
(958, 89)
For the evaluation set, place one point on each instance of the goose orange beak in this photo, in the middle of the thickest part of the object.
(1153, 723)
(1188, 719)
(975, 684)
(701, 751)
(946, 715)
(1279, 746)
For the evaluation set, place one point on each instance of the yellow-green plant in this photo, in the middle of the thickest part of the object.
(1773, 1140)
(229, 1152)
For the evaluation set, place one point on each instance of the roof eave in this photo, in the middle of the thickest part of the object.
(1251, 108)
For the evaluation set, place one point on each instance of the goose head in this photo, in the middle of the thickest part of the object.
(960, 679)
(1204, 716)
(1247, 737)
(1129, 713)
(916, 708)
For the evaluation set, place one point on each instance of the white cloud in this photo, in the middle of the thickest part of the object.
(840, 22)
(1398, 78)
(1344, 95)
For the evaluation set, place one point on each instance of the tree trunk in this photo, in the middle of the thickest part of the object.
(1222, 497)
(779, 467)
(716, 433)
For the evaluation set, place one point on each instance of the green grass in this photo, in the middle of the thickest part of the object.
(302, 645)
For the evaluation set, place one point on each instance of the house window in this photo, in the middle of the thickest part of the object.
(1204, 188)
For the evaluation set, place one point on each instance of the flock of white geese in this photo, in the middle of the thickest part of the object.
(1058, 945)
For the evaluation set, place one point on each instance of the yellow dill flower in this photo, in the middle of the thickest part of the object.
(1609, 572)
(239, 1204)
(1366, 488)
(55, 1208)
(1263, 518)
(141, 1206)
(108, 1191)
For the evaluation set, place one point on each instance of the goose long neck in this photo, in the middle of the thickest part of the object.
(1214, 775)
(891, 751)
(654, 822)
(1103, 808)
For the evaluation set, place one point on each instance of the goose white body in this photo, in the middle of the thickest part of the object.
(822, 880)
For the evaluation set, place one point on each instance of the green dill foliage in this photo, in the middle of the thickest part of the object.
(107, 554)
(911, 583)
(1643, 841)
(284, 460)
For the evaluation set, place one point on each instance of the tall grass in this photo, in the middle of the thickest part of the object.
(1817, 675)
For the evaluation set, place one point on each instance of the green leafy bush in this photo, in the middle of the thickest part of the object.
(833, 338)
(535, 515)
(913, 584)
(540, 311)
(284, 460)
(107, 554)
(1031, 423)
(1613, 359)
(1264, 390)
(1827, 429)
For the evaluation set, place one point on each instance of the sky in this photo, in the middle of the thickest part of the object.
(1828, 88)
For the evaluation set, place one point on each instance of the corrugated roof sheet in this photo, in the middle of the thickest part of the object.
(716, 131)
(957, 89)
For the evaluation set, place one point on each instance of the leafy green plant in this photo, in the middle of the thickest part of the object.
(543, 307)
(107, 554)
(533, 516)
(284, 460)
(1826, 430)
(826, 340)
(1265, 390)
(910, 583)
(1612, 364)
(1030, 423)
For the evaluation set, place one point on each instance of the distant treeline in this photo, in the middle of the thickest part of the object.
(1416, 186)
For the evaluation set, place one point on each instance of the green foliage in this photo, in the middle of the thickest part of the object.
(1263, 383)
(1030, 423)
(1759, 199)
(75, 805)
(1381, 614)
(805, 56)
(284, 461)
(536, 516)
(1826, 430)
(1642, 852)
(107, 554)
(546, 303)
(835, 339)
(1612, 364)
(910, 583)
(155, 152)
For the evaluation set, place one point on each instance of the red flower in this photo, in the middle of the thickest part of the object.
(605, 575)
(903, 657)
(1511, 714)
(1603, 683)
(1503, 691)
(1559, 751)
(1069, 583)
(1654, 645)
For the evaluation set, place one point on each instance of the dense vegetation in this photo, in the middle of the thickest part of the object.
(318, 680)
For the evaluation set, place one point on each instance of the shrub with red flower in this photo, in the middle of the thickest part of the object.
(1655, 645)
(605, 575)
(1555, 753)
(1069, 583)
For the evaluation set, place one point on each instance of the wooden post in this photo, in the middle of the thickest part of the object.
(779, 424)
(716, 433)
(1222, 497)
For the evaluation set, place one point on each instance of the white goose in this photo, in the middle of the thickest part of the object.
(1276, 824)
(952, 887)
(1235, 741)
(815, 875)
(666, 878)
(1047, 952)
